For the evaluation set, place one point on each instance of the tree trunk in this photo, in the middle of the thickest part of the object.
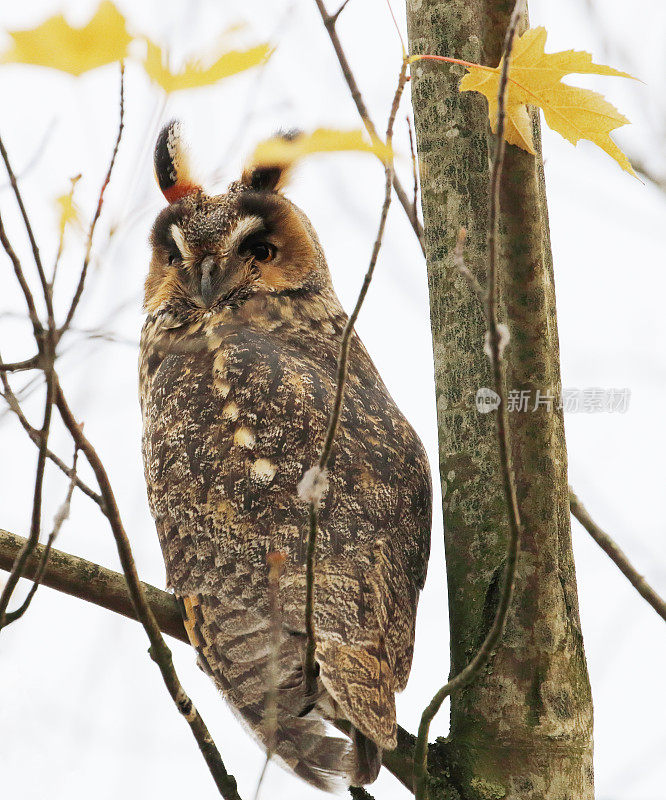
(523, 729)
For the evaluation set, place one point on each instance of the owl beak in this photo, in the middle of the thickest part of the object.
(207, 292)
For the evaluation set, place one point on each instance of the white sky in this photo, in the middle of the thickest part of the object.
(82, 707)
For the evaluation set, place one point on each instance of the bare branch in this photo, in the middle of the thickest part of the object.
(46, 346)
(334, 17)
(61, 515)
(28, 227)
(275, 561)
(94, 584)
(35, 157)
(159, 650)
(275, 569)
(309, 666)
(98, 210)
(37, 328)
(329, 23)
(616, 555)
(33, 433)
(469, 673)
(35, 524)
(415, 165)
(20, 366)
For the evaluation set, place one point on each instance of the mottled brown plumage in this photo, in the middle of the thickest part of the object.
(237, 377)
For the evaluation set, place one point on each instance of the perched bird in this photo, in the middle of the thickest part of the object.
(237, 379)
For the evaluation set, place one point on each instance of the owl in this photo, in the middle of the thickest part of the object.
(237, 379)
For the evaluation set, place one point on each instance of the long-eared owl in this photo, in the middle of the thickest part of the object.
(237, 380)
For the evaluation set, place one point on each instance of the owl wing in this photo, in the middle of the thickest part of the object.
(230, 432)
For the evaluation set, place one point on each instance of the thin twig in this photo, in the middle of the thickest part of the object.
(37, 328)
(309, 664)
(465, 271)
(61, 515)
(159, 651)
(28, 227)
(20, 366)
(397, 29)
(45, 342)
(341, 8)
(33, 433)
(415, 167)
(86, 259)
(470, 672)
(35, 523)
(341, 378)
(616, 555)
(329, 23)
(275, 561)
(35, 157)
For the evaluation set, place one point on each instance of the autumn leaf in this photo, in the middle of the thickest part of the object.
(535, 78)
(286, 151)
(67, 210)
(58, 45)
(194, 72)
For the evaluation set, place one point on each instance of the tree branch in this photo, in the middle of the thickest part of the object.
(33, 433)
(329, 21)
(616, 555)
(21, 366)
(28, 227)
(86, 259)
(61, 515)
(93, 583)
(20, 277)
(35, 523)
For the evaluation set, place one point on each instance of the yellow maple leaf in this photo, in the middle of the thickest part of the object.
(58, 45)
(535, 78)
(195, 73)
(286, 151)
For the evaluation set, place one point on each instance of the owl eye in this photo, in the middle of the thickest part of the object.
(174, 258)
(262, 251)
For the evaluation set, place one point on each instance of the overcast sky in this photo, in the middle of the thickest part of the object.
(82, 708)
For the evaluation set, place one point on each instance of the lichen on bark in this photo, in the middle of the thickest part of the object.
(523, 729)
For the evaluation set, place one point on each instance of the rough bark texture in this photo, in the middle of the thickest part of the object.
(524, 728)
(93, 583)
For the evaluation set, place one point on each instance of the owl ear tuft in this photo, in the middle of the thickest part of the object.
(172, 163)
(269, 168)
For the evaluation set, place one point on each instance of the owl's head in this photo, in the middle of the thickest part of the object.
(216, 251)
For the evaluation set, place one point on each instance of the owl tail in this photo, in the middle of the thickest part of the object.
(325, 761)
(366, 760)
(306, 746)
